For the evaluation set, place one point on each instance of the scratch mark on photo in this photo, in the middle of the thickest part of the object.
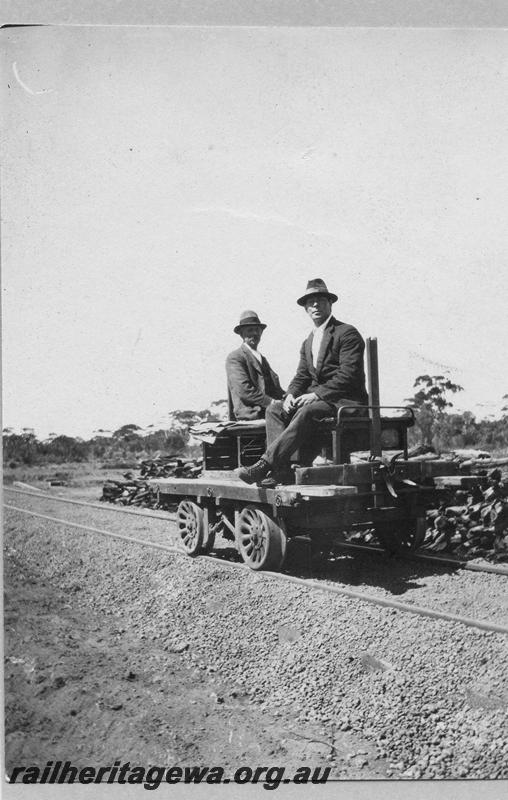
(24, 85)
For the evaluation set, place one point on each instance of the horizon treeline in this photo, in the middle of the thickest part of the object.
(436, 425)
(128, 443)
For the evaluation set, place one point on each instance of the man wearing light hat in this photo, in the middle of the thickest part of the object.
(330, 374)
(252, 383)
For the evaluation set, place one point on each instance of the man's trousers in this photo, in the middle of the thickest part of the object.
(286, 433)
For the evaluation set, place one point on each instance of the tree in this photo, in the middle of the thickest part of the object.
(126, 430)
(67, 448)
(430, 402)
(22, 447)
(166, 441)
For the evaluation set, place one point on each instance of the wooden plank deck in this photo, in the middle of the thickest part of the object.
(234, 489)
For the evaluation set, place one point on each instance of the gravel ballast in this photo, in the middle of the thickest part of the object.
(428, 695)
(481, 596)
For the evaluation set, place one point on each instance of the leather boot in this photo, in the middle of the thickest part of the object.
(254, 474)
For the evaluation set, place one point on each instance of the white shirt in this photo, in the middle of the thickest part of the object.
(255, 353)
(317, 338)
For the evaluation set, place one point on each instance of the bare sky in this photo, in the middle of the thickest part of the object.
(158, 181)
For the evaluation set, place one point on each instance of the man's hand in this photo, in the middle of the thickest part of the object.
(288, 403)
(305, 399)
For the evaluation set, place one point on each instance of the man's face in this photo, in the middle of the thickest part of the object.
(318, 307)
(251, 334)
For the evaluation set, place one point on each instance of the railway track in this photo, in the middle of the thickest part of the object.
(309, 584)
(494, 569)
(422, 557)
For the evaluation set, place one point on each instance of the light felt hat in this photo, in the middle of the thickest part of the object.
(316, 286)
(248, 318)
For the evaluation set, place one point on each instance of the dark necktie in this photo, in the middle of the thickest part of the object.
(267, 375)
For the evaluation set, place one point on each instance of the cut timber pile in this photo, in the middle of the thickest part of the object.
(469, 523)
(171, 466)
(136, 491)
(472, 523)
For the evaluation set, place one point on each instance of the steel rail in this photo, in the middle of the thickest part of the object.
(489, 568)
(435, 559)
(101, 506)
(78, 525)
(308, 584)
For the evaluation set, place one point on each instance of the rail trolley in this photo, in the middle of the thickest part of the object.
(381, 489)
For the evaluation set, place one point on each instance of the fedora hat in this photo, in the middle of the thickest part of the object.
(316, 286)
(249, 318)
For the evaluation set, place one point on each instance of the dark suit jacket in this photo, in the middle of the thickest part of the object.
(247, 385)
(339, 374)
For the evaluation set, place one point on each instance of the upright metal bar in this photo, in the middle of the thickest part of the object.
(373, 388)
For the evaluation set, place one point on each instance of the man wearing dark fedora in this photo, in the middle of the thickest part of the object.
(330, 374)
(252, 383)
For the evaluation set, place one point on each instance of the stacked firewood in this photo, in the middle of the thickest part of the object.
(171, 467)
(129, 492)
(472, 523)
(135, 491)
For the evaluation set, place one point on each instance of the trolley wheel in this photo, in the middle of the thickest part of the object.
(261, 541)
(401, 536)
(191, 527)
